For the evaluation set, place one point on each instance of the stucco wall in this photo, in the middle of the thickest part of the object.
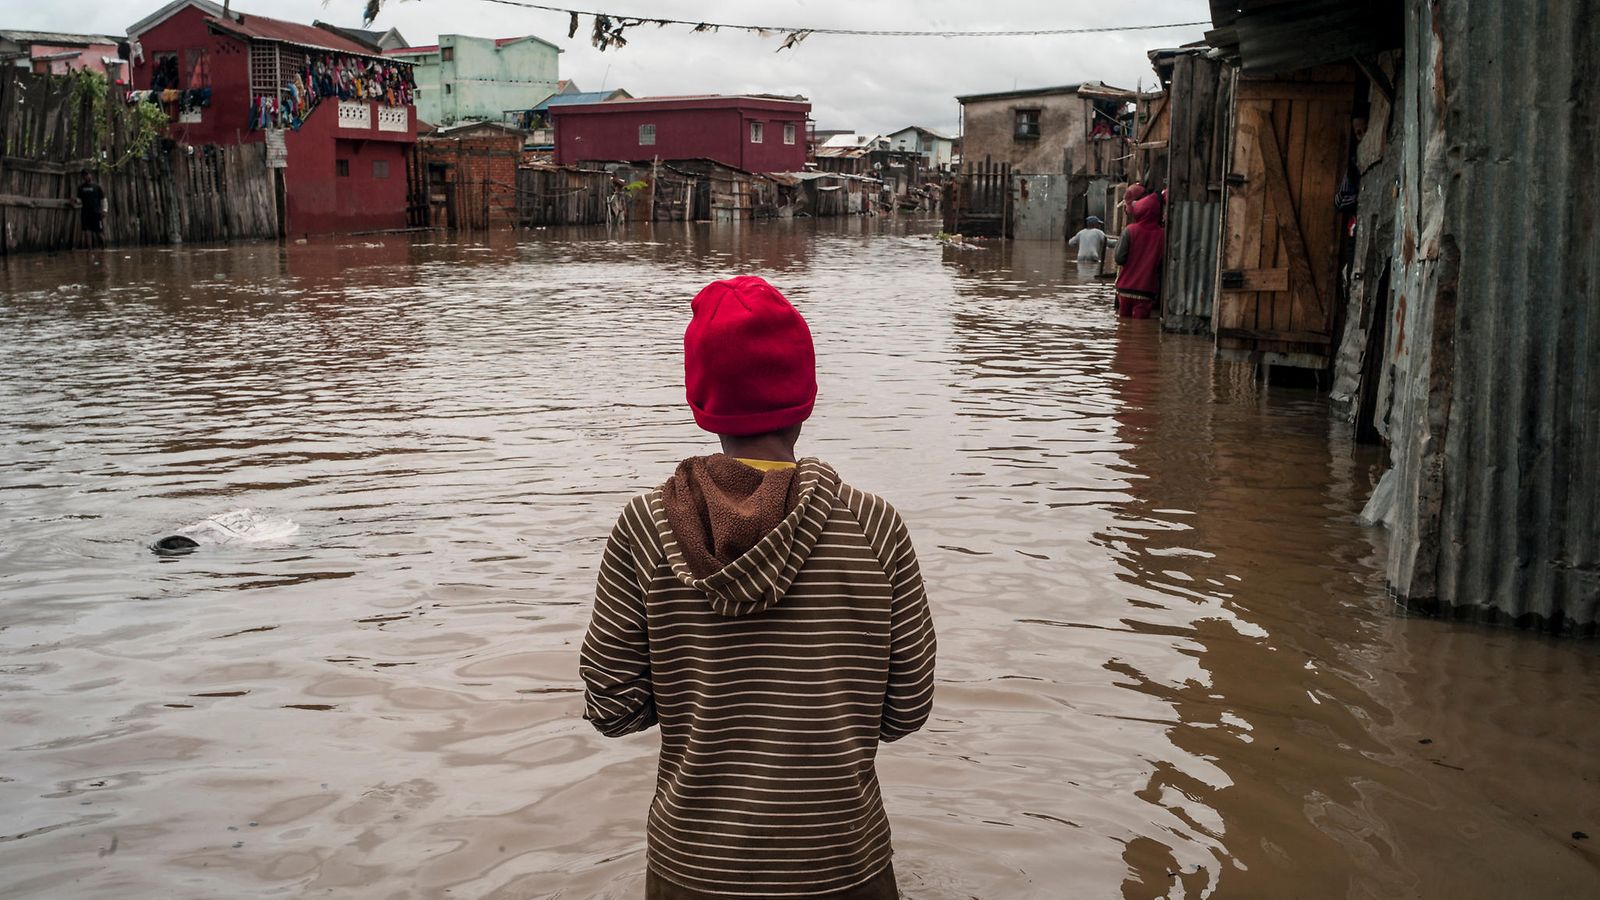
(483, 79)
(989, 128)
(722, 134)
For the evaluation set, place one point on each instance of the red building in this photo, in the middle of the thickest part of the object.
(753, 133)
(345, 110)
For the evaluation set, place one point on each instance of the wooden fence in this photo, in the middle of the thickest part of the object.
(566, 196)
(978, 200)
(50, 134)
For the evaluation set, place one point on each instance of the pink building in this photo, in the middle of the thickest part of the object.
(755, 133)
(52, 53)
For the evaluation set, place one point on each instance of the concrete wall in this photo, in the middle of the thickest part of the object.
(483, 79)
(989, 130)
(590, 133)
(91, 57)
(319, 200)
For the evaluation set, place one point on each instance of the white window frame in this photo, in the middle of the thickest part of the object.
(757, 131)
(790, 131)
(652, 141)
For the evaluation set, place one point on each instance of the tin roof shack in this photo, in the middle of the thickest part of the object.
(1489, 393)
(345, 113)
(1199, 102)
(471, 174)
(472, 79)
(755, 133)
(848, 153)
(54, 53)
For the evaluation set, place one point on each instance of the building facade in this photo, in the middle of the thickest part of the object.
(344, 113)
(935, 149)
(752, 133)
(50, 53)
(473, 79)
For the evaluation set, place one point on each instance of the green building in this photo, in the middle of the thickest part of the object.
(472, 79)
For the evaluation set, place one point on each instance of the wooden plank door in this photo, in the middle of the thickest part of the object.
(1278, 287)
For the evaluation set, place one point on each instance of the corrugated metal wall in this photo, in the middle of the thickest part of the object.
(1495, 340)
(1198, 105)
(1191, 265)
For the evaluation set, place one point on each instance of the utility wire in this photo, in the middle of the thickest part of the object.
(802, 31)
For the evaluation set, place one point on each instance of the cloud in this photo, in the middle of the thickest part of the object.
(871, 84)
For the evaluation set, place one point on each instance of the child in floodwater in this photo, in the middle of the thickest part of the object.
(772, 620)
(1139, 256)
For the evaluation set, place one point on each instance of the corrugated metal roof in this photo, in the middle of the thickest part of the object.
(1496, 341)
(1026, 92)
(262, 28)
(57, 37)
(1273, 36)
(579, 97)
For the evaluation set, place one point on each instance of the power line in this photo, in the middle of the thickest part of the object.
(608, 27)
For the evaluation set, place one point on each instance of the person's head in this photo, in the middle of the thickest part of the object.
(1093, 222)
(749, 366)
(88, 176)
(1132, 195)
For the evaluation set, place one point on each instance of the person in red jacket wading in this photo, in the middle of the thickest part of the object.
(771, 619)
(1139, 254)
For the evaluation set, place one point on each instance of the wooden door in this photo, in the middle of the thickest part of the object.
(1278, 286)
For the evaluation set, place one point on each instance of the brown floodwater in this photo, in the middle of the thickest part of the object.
(1168, 666)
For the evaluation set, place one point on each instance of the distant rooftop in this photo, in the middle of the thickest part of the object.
(56, 37)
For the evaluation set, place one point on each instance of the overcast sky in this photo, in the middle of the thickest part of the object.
(869, 84)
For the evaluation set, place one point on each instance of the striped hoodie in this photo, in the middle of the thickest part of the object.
(773, 678)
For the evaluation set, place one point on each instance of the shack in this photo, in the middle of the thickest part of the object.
(470, 175)
(1482, 336)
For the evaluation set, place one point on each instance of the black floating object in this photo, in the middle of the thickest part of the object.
(1579, 836)
(175, 545)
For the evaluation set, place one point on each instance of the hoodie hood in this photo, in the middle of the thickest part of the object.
(739, 535)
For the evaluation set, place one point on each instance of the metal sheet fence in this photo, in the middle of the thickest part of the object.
(1495, 341)
(1191, 265)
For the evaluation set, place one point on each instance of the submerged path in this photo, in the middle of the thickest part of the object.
(1168, 667)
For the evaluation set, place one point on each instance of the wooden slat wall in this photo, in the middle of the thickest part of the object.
(48, 137)
(1290, 144)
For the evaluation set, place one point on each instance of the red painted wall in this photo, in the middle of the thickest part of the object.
(717, 129)
(227, 119)
(320, 200)
(317, 199)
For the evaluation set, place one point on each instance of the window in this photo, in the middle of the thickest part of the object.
(447, 88)
(755, 132)
(647, 135)
(380, 168)
(447, 54)
(341, 168)
(1027, 125)
(788, 133)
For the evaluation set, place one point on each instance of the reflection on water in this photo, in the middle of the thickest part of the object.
(1168, 666)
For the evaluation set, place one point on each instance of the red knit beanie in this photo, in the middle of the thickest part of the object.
(748, 364)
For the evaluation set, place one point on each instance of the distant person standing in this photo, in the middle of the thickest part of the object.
(1091, 242)
(1139, 254)
(92, 209)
